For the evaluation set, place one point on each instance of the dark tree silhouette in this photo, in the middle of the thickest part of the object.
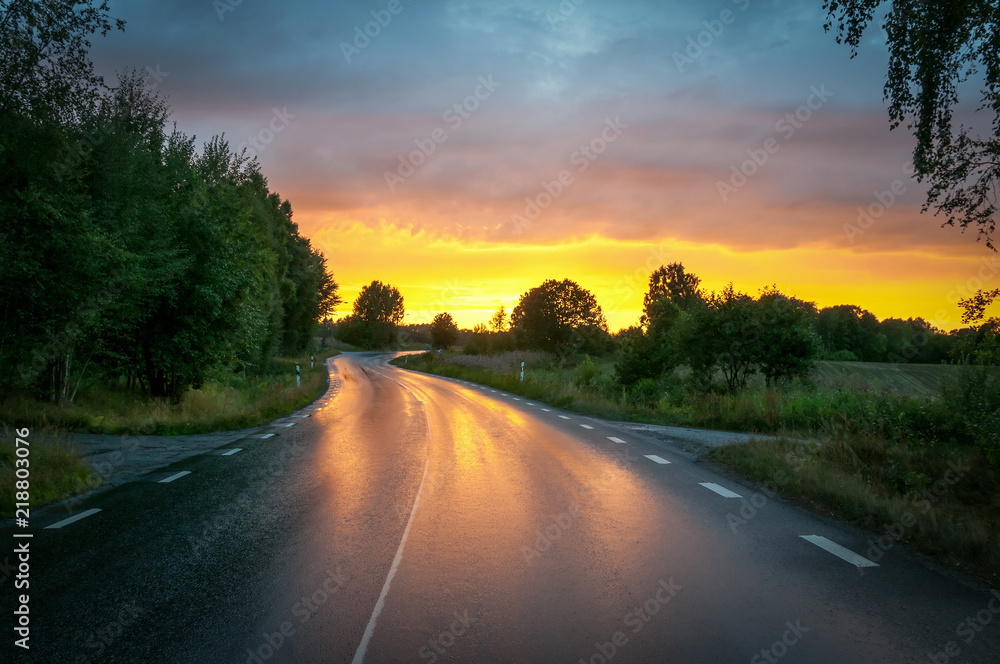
(560, 315)
(444, 331)
(670, 284)
(934, 47)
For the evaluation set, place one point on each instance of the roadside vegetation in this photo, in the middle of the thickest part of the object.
(57, 471)
(909, 450)
(148, 284)
(228, 400)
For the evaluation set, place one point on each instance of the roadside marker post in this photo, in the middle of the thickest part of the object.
(296, 375)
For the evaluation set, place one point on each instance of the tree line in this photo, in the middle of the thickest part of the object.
(727, 335)
(127, 254)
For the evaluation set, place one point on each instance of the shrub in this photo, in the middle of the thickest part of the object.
(586, 373)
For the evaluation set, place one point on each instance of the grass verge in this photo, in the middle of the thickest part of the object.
(228, 401)
(55, 469)
(941, 502)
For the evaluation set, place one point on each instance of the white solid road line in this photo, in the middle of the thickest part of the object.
(839, 551)
(266, 435)
(616, 440)
(232, 451)
(359, 655)
(564, 417)
(175, 476)
(721, 490)
(586, 426)
(72, 519)
(656, 458)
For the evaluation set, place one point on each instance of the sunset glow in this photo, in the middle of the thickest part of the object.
(466, 152)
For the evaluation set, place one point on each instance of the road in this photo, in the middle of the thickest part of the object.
(412, 518)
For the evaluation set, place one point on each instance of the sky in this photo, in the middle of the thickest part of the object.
(467, 151)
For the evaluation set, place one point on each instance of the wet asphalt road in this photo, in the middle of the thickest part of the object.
(417, 519)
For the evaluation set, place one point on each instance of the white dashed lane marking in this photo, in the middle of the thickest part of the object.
(232, 451)
(616, 440)
(721, 490)
(564, 417)
(73, 519)
(291, 424)
(839, 551)
(656, 458)
(175, 476)
(265, 436)
(586, 426)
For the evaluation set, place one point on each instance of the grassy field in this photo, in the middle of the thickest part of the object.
(923, 380)
(908, 451)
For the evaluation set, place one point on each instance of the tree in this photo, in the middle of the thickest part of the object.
(785, 343)
(378, 311)
(45, 71)
(847, 328)
(670, 284)
(986, 349)
(123, 249)
(933, 48)
(378, 302)
(498, 323)
(560, 315)
(720, 334)
(652, 348)
(444, 331)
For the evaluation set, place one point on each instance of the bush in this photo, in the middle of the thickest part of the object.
(586, 373)
(974, 396)
(645, 391)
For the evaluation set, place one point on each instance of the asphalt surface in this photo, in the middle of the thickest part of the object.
(412, 518)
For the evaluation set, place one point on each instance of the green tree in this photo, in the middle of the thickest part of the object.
(720, 335)
(670, 284)
(444, 331)
(378, 311)
(560, 315)
(498, 323)
(785, 342)
(651, 350)
(935, 47)
(45, 71)
(378, 302)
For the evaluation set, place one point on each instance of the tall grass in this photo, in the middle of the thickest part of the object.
(227, 401)
(56, 469)
(939, 501)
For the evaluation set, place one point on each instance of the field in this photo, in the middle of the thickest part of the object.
(924, 380)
